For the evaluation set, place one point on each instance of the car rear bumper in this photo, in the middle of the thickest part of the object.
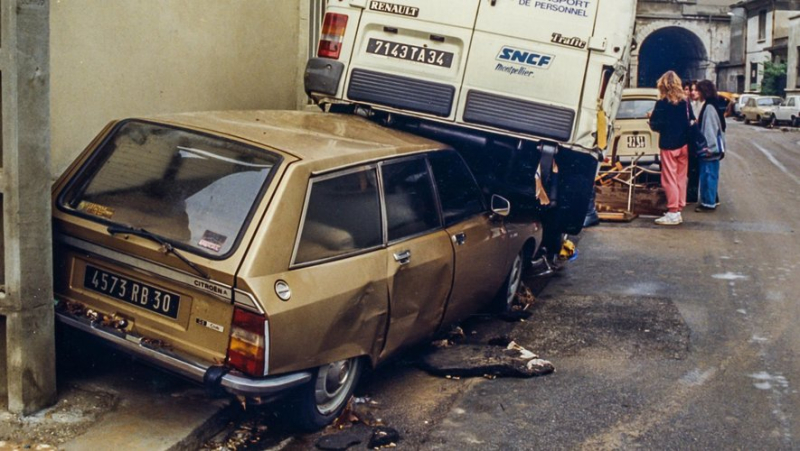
(173, 362)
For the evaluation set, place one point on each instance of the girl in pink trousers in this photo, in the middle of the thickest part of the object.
(671, 118)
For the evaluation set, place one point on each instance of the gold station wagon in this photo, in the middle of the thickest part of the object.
(258, 252)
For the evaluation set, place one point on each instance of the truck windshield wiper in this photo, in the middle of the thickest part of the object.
(117, 229)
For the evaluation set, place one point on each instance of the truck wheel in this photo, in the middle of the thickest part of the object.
(322, 400)
(508, 292)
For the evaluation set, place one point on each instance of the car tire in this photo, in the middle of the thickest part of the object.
(746, 121)
(323, 399)
(795, 121)
(507, 294)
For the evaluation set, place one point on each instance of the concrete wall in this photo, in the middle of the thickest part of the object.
(792, 78)
(757, 50)
(120, 58)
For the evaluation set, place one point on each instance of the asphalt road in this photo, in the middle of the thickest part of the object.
(662, 338)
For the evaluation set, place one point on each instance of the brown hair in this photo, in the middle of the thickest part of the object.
(670, 87)
(706, 89)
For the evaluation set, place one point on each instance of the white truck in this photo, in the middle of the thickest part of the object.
(534, 83)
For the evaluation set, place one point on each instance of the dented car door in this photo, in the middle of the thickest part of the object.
(420, 259)
(479, 243)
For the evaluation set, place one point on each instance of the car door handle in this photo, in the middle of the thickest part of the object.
(460, 238)
(403, 258)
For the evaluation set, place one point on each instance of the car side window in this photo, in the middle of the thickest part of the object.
(342, 216)
(791, 102)
(410, 202)
(459, 194)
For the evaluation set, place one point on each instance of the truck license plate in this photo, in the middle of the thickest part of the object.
(136, 293)
(410, 53)
(637, 142)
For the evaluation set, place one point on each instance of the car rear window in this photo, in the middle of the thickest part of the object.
(635, 109)
(769, 102)
(192, 189)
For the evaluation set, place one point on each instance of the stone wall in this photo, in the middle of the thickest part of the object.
(114, 59)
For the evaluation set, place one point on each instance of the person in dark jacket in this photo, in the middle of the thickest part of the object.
(671, 118)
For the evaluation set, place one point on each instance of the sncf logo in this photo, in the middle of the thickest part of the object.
(527, 57)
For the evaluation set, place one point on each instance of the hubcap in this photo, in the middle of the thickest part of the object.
(333, 384)
(513, 280)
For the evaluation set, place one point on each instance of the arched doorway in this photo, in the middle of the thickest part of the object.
(671, 48)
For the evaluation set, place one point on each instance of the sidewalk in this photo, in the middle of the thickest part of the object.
(108, 401)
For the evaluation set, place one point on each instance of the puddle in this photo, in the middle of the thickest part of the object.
(696, 377)
(730, 276)
(766, 381)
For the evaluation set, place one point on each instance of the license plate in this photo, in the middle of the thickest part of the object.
(136, 293)
(410, 52)
(637, 142)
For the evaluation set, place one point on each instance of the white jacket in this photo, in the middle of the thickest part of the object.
(712, 130)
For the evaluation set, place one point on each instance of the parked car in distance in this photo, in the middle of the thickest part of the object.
(266, 252)
(632, 135)
(760, 109)
(740, 102)
(788, 112)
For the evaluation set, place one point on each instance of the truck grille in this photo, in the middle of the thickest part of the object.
(401, 92)
(519, 115)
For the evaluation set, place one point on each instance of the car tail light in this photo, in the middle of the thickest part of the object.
(333, 28)
(247, 351)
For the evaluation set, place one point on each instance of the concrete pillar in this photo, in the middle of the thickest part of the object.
(633, 72)
(27, 355)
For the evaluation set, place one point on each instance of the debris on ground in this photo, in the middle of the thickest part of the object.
(11, 446)
(518, 311)
(499, 359)
(358, 424)
(341, 440)
(383, 437)
(456, 333)
(75, 412)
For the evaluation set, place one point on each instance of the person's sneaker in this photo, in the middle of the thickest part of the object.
(704, 209)
(670, 219)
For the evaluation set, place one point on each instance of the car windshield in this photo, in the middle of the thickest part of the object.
(769, 102)
(635, 109)
(194, 190)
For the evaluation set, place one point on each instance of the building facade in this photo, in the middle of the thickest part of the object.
(767, 36)
(690, 37)
(793, 56)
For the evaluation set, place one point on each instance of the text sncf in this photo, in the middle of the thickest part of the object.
(524, 57)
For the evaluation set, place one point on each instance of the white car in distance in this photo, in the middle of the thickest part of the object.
(788, 112)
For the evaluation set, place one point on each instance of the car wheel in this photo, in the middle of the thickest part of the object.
(795, 121)
(508, 292)
(759, 121)
(322, 400)
(746, 120)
